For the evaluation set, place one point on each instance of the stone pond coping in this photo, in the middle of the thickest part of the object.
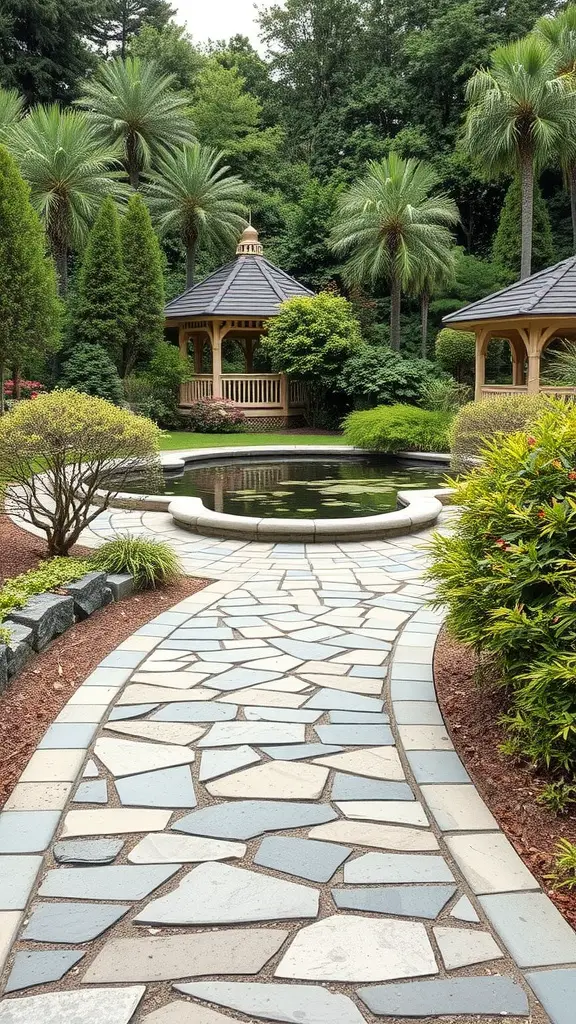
(419, 508)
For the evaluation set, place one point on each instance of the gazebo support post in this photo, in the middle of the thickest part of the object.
(480, 377)
(183, 342)
(534, 353)
(198, 348)
(216, 361)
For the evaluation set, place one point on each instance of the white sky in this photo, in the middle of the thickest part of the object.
(219, 19)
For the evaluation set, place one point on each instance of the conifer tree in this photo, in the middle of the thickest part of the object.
(507, 244)
(99, 316)
(90, 370)
(29, 307)
(142, 258)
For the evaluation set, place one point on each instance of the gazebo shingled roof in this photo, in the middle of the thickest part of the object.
(530, 313)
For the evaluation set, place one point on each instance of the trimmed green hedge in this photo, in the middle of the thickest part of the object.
(395, 428)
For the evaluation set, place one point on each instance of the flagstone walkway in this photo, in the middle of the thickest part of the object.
(252, 811)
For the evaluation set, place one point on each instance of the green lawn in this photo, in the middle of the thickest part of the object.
(185, 439)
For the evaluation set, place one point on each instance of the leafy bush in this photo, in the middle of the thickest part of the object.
(152, 563)
(480, 422)
(456, 353)
(380, 376)
(444, 394)
(91, 371)
(507, 577)
(17, 591)
(81, 444)
(156, 392)
(215, 416)
(394, 428)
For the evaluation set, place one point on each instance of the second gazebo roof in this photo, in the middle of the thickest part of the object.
(550, 292)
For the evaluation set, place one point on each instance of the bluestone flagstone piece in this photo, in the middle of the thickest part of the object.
(169, 957)
(67, 735)
(216, 893)
(240, 678)
(556, 990)
(126, 757)
(221, 762)
(305, 858)
(120, 714)
(39, 967)
(347, 947)
(170, 787)
(488, 996)
(437, 766)
(299, 751)
(72, 922)
(99, 1006)
(275, 780)
(358, 718)
(93, 792)
(27, 831)
(114, 821)
(355, 735)
(414, 712)
(464, 911)
(399, 812)
(167, 848)
(229, 734)
(181, 1011)
(339, 700)
(375, 763)
(357, 787)
(369, 833)
(246, 819)
(397, 867)
(87, 851)
(289, 1004)
(118, 882)
(531, 928)
(401, 901)
(462, 947)
(490, 863)
(17, 876)
(199, 711)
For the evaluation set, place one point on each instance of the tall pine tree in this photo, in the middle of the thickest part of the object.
(507, 244)
(124, 19)
(144, 284)
(29, 306)
(99, 314)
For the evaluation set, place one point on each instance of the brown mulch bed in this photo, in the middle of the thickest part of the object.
(508, 786)
(33, 700)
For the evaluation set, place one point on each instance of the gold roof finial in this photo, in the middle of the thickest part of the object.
(249, 244)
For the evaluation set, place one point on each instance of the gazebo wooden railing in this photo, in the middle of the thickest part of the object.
(256, 392)
(498, 390)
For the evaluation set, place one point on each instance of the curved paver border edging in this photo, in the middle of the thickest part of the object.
(420, 508)
(527, 923)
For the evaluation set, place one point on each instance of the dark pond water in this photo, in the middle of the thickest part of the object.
(300, 487)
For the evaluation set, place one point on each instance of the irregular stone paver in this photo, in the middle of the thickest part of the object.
(249, 818)
(556, 990)
(355, 735)
(113, 821)
(401, 812)
(367, 833)
(101, 1006)
(92, 792)
(167, 848)
(299, 751)
(119, 882)
(378, 763)
(221, 762)
(71, 922)
(169, 787)
(33, 967)
(332, 700)
(404, 901)
(162, 732)
(397, 867)
(167, 957)
(280, 780)
(229, 734)
(466, 996)
(533, 930)
(461, 947)
(125, 757)
(216, 893)
(263, 714)
(464, 911)
(201, 711)
(183, 1012)
(303, 857)
(350, 948)
(353, 787)
(293, 1004)
(89, 851)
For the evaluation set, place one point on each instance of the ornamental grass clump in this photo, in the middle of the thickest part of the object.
(508, 577)
(152, 563)
(59, 450)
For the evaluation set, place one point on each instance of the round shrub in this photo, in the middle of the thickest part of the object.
(152, 563)
(379, 376)
(456, 353)
(480, 422)
(90, 370)
(215, 416)
(507, 575)
(395, 428)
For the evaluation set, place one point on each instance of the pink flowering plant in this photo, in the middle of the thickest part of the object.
(507, 575)
(215, 416)
(28, 389)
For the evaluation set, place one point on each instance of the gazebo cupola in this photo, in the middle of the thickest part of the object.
(235, 303)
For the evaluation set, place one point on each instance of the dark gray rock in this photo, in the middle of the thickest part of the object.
(403, 900)
(306, 858)
(493, 996)
(47, 615)
(87, 851)
(72, 922)
(3, 667)
(18, 649)
(87, 593)
(245, 819)
(39, 968)
(121, 585)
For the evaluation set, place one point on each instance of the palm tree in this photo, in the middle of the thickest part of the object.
(194, 194)
(70, 172)
(522, 113)
(395, 225)
(560, 34)
(429, 283)
(134, 105)
(11, 109)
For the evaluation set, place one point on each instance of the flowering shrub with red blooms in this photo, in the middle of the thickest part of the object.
(215, 416)
(508, 577)
(28, 388)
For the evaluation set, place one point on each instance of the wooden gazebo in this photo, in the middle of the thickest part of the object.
(234, 303)
(530, 314)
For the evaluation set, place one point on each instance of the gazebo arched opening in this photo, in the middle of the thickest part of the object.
(530, 314)
(233, 305)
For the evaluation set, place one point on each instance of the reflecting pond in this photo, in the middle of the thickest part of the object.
(307, 487)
